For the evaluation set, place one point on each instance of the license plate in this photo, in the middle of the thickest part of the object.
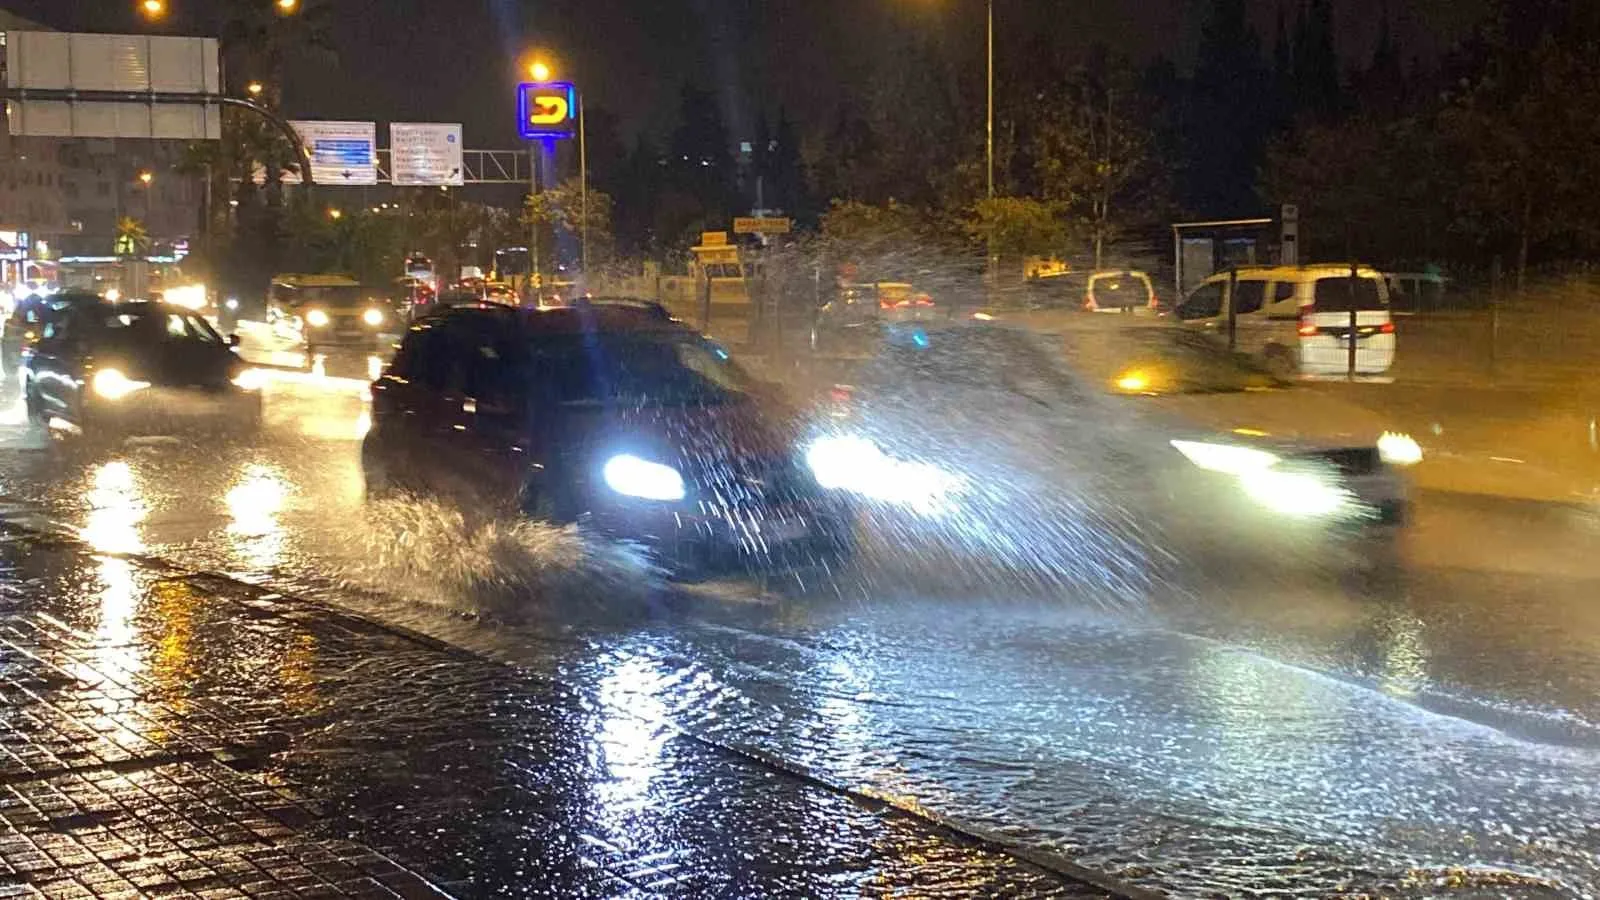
(783, 532)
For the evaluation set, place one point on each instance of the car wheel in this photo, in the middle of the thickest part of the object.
(35, 407)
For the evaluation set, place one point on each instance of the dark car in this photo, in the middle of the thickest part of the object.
(611, 415)
(27, 322)
(136, 368)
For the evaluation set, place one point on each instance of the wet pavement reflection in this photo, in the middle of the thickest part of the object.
(1293, 734)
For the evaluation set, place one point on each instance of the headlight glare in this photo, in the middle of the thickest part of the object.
(634, 477)
(1228, 459)
(111, 384)
(1399, 449)
(316, 318)
(250, 380)
(373, 317)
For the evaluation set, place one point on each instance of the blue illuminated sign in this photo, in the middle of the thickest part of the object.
(547, 111)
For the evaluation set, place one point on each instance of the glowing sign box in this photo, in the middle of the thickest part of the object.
(547, 111)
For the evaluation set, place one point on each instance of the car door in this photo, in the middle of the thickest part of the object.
(410, 404)
(1248, 300)
(56, 368)
(491, 434)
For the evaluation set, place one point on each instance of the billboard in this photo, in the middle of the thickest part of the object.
(547, 111)
(341, 152)
(112, 63)
(425, 155)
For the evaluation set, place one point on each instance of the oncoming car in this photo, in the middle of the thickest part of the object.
(321, 311)
(609, 415)
(137, 368)
(987, 437)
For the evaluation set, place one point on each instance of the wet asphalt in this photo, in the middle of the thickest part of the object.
(1292, 732)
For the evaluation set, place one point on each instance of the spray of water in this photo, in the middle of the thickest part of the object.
(430, 552)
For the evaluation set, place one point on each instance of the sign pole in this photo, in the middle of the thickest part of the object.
(583, 190)
(533, 221)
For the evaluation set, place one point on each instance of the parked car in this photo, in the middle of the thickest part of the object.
(607, 414)
(1299, 319)
(1119, 291)
(137, 368)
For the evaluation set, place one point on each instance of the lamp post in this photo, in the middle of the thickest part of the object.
(989, 127)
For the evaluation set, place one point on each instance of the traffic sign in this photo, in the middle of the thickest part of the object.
(110, 83)
(426, 155)
(754, 225)
(547, 111)
(341, 152)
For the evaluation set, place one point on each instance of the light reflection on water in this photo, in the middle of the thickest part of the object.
(254, 504)
(116, 509)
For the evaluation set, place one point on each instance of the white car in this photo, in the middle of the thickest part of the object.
(1299, 319)
(1086, 462)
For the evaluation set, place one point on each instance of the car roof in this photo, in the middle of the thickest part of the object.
(1314, 272)
(582, 317)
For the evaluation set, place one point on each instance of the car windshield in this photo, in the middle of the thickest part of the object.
(1155, 360)
(130, 325)
(335, 295)
(580, 370)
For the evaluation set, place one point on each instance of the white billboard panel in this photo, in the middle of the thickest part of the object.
(120, 63)
(426, 154)
(341, 152)
(141, 63)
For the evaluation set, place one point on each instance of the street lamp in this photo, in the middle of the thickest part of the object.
(255, 88)
(335, 214)
(153, 9)
(147, 176)
(540, 71)
(288, 7)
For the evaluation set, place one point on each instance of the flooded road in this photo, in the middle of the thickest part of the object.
(1281, 733)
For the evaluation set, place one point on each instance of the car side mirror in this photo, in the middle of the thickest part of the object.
(234, 341)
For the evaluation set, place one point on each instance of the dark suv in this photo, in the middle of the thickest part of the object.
(611, 415)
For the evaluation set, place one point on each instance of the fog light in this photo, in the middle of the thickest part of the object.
(634, 477)
(113, 385)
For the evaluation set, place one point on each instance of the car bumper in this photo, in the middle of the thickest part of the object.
(692, 543)
(163, 410)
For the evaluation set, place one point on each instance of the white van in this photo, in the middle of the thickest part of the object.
(1296, 319)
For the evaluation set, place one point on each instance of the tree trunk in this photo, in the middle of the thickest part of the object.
(1522, 248)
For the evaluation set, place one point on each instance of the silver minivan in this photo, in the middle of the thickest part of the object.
(1298, 319)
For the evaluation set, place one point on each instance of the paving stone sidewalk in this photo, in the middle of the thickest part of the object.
(167, 733)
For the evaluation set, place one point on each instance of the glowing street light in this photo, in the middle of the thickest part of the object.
(146, 177)
(540, 71)
(288, 7)
(255, 88)
(335, 214)
(154, 9)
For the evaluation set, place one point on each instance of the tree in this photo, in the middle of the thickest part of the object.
(1092, 153)
(1018, 227)
(1227, 124)
(558, 214)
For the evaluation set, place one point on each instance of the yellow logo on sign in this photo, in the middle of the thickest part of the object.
(549, 111)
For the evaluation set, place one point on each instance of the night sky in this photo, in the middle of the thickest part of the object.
(453, 60)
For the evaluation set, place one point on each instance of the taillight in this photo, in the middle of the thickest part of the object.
(1308, 328)
(1387, 327)
(841, 394)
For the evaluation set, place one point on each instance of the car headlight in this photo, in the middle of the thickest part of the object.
(1291, 493)
(316, 318)
(373, 317)
(855, 464)
(113, 385)
(250, 380)
(1229, 459)
(634, 477)
(1399, 449)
